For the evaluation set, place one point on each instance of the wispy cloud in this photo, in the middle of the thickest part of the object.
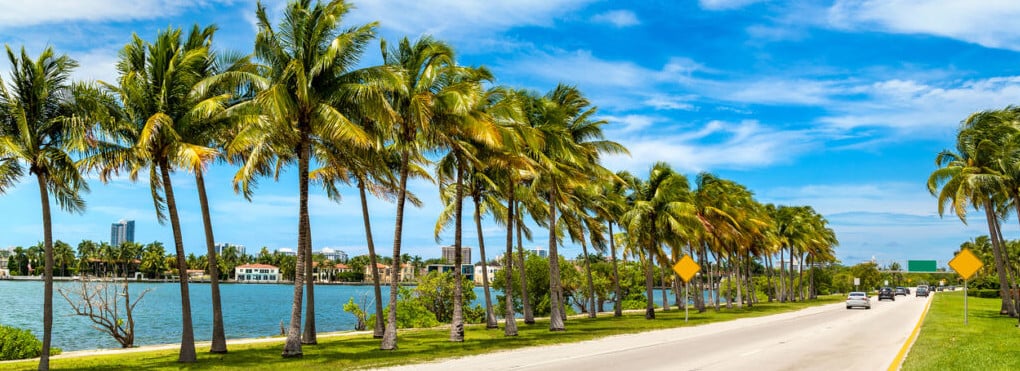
(618, 18)
(959, 20)
(716, 145)
(726, 4)
(30, 13)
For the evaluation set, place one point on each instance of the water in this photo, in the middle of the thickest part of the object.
(249, 311)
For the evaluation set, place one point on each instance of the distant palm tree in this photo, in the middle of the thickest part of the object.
(41, 125)
(313, 95)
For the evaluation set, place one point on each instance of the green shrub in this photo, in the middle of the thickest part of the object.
(983, 293)
(16, 343)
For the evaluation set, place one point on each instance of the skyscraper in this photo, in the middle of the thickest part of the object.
(449, 251)
(122, 231)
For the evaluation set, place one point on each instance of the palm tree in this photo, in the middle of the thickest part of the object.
(971, 177)
(63, 256)
(40, 126)
(610, 207)
(573, 142)
(663, 212)
(422, 66)
(312, 96)
(157, 88)
(465, 129)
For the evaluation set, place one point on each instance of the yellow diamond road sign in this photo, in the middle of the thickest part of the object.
(966, 264)
(686, 268)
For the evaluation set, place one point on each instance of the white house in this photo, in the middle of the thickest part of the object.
(489, 267)
(257, 273)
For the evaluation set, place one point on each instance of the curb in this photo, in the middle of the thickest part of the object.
(898, 361)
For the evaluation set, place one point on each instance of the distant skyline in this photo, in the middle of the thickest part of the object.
(840, 105)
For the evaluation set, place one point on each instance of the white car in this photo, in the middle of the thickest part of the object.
(858, 299)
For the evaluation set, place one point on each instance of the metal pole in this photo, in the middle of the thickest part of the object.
(687, 289)
(964, 302)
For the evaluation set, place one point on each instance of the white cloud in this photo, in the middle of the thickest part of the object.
(618, 18)
(828, 199)
(632, 123)
(726, 4)
(917, 107)
(988, 23)
(452, 19)
(718, 144)
(28, 13)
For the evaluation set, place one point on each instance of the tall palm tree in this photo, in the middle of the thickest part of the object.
(40, 127)
(972, 177)
(663, 212)
(573, 142)
(313, 93)
(157, 86)
(422, 65)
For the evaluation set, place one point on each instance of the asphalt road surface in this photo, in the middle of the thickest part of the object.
(827, 337)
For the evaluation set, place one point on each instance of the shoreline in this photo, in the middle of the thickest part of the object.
(229, 282)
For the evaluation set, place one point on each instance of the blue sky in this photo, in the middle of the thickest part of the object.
(839, 105)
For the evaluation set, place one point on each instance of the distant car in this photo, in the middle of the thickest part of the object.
(951, 288)
(940, 288)
(886, 293)
(901, 291)
(858, 299)
(921, 291)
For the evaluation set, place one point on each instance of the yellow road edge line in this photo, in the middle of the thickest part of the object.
(898, 361)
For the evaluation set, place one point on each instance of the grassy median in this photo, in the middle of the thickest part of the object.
(415, 346)
(988, 342)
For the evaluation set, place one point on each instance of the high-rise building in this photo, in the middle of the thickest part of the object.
(540, 251)
(122, 231)
(223, 245)
(449, 251)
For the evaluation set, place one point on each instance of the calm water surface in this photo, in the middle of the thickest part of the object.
(249, 311)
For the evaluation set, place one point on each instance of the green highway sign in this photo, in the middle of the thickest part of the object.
(921, 266)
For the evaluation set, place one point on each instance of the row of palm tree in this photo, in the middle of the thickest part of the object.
(301, 99)
(983, 174)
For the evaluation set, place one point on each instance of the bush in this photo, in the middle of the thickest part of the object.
(983, 293)
(16, 343)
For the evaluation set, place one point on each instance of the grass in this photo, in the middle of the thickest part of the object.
(988, 342)
(414, 346)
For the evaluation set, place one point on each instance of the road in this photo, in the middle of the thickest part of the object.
(827, 337)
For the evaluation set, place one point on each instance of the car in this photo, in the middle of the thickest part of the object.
(901, 291)
(940, 288)
(908, 290)
(858, 299)
(886, 293)
(951, 288)
(921, 291)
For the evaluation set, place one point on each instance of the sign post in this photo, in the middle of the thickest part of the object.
(857, 282)
(686, 268)
(966, 264)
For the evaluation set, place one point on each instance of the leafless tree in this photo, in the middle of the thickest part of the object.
(108, 305)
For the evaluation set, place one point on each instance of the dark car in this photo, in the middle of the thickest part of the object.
(921, 291)
(901, 291)
(886, 293)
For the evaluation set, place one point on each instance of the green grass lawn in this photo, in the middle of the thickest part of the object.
(989, 342)
(415, 346)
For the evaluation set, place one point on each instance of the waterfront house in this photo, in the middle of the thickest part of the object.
(384, 273)
(328, 272)
(492, 269)
(257, 273)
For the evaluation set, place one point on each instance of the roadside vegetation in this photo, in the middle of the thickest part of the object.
(987, 342)
(417, 346)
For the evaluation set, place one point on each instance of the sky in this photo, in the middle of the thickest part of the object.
(840, 105)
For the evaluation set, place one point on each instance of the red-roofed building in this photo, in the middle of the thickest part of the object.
(257, 273)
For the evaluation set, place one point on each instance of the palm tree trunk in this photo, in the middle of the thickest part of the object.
(1000, 266)
(44, 354)
(769, 288)
(555, 294)
(309, 336)
(529, 314)
(510, 322)
(800, 283)
(665, 298)
(187, 353)
(219, 340)
(292, 347)
(457, 322)
(377, 330)
(591, 282)
(389, 341)
(782, 277)
(1010, 274)
(735, 263)
(649, 284)
(618, 300)
(490, 314)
